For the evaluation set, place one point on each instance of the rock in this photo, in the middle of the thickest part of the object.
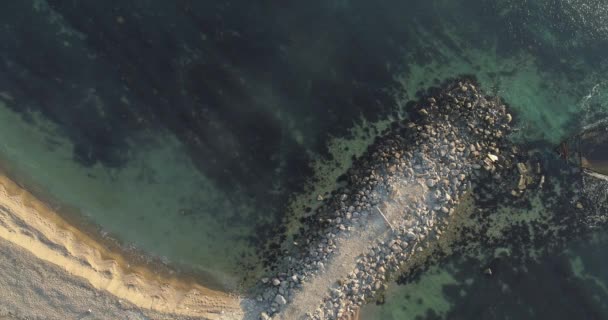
(541, 182)
(411, 235)
(264, 316)
(319, 197)
(487, 271)
(521, 167)
(377, 285)
(336, 293)
(280, 300)
(509, 117)
(430, 183)
(492, 157)
(579, 205)
(521, 185)
(276, 282)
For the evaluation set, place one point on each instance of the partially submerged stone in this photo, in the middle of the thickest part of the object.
(405, 186)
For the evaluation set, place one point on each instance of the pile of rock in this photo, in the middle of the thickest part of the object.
(411, 178)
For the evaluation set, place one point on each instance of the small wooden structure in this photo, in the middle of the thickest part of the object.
(589, 149)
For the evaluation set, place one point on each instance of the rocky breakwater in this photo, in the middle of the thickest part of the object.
(398, 198)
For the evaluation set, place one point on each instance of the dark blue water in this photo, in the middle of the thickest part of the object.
(226, 119)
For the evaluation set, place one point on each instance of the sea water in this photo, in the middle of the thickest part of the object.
(569, 282)
(199, 133)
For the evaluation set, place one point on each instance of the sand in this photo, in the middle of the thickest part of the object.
(51, 270)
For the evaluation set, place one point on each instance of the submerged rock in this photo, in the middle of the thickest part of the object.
(400, 198)
(405, 187)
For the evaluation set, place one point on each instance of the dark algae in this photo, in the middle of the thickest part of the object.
(219, 137)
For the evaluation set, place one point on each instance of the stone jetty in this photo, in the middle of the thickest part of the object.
(399, 196)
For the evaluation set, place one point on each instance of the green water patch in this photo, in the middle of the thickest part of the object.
(548, 288)
(158, 202)
(588, 263)
(416, 299)
(527, 277)
(544, 102)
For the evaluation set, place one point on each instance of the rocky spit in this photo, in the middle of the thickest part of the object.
(398, 198)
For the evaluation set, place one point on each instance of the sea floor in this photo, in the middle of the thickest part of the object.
(214, 195)
(149, 205)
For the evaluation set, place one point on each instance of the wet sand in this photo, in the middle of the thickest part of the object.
(52, 270)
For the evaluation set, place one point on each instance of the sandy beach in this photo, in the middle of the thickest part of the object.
(51, 270)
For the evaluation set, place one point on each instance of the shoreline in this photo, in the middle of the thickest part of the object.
(29, 223)
(86, 226)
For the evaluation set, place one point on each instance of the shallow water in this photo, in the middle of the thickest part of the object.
(199, 132)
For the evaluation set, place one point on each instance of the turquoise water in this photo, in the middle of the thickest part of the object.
(151, 204)
(548, 80)
(200, 132)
